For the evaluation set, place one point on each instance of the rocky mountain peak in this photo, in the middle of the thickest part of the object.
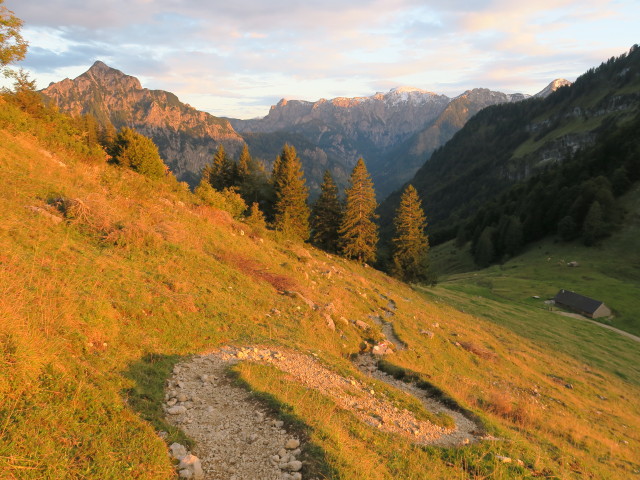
(552, 87)
(187, 138)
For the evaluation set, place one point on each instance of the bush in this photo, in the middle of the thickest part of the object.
(137, 152)
(228, 199)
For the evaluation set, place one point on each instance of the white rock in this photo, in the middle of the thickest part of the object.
(185, 473)
(178, 451)
(294, 466)
(177, 410)
(182, 397)
(292, 444)
(192, 463)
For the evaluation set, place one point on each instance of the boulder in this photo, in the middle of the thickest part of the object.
(192, 463)
(178, 451)
(177, 410)
(292, 444)
(382, 348)
(362, 325)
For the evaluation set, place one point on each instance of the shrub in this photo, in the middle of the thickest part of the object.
(228, 199)
(137, 152)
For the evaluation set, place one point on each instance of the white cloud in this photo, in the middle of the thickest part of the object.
(228, 57)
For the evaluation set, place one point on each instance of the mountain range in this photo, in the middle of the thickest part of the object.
(395, 132)
(509, 144)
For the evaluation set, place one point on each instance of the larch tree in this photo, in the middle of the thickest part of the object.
(326, 216)
(291, 194)
(410, 244)
(358, 230)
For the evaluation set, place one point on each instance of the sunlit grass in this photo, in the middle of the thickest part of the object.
(95, 308)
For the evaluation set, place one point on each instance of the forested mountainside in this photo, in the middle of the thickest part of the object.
(572, 137)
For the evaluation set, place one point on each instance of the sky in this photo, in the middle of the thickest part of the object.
(237, 58)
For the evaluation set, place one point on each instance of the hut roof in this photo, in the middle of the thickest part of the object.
(577, 301)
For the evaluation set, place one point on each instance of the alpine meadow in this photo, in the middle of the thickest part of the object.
(406, 286)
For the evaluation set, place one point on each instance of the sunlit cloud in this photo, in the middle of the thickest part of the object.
(235, 58)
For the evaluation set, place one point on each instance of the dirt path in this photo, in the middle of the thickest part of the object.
(465, 430)
(237, 439)
(603, 325)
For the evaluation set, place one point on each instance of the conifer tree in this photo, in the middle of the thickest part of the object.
(485, 251)
(326, 215)
(221, 170)
(244, 165)
(593, 227)
(358, 231)
(137, 152)
(256, 219)
(291, 210)
(411, 244)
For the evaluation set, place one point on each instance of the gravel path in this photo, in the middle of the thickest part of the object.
(465, 431)
(236, 439)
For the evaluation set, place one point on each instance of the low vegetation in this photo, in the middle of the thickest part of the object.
(108, 276)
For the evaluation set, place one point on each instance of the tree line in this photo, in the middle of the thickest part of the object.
(345, 226)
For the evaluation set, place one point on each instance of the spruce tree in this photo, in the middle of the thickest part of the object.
(485, 250)
(593, 227)
(326, 215)
(291, 209)
(411, 244)
(244, 165)
(221, 170)
(137, 152)
(358, 231)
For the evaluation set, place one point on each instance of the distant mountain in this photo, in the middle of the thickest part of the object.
(401, 163)
(552, 87)
(187, 138)
(395, 132)
(504, 145)
(348, 128)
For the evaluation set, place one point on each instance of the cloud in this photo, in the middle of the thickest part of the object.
(258, 50)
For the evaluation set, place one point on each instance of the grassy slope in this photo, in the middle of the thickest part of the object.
(139, 268)
(609, 272)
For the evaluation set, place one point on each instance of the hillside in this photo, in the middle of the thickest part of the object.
(504, 145)
(609, 272)
(110, 278)
(401, 164)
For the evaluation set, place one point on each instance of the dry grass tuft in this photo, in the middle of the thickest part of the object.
(257, 271)
(478, 350)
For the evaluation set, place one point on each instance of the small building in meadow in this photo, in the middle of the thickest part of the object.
(583, 305)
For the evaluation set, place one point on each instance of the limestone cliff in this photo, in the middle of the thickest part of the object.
(186, 137)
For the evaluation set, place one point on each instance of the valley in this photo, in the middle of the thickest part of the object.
(115, 296)
(355, 288)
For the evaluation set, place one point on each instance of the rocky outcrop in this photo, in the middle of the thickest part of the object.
(552, 87)
(401, 164)
(395, 132)
(187, 138)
